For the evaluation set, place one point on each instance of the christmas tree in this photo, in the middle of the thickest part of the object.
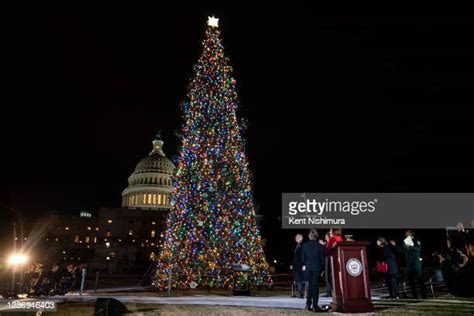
(212, 224)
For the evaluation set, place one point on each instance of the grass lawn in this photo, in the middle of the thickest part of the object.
(445, 305)
(80, 309)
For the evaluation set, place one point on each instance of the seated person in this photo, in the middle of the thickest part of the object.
(458, 274)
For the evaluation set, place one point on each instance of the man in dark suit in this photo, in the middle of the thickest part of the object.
(313, 263)
(298, 273)
(412, 263)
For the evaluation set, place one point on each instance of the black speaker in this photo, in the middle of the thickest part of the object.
(105, 306)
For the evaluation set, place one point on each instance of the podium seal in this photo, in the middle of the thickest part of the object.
(354, 267)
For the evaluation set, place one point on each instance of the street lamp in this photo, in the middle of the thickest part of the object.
(17, 259)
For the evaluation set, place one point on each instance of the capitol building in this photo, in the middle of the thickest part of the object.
(149, 186)
(119, 239)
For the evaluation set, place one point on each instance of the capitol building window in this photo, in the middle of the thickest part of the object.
(157, 199)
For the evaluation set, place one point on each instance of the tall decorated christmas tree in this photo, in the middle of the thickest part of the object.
(212, 224)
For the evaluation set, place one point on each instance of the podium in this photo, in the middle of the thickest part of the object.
(350, 278)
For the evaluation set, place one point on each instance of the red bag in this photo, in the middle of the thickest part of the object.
(382, 267)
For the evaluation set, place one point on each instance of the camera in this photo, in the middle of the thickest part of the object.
(452, 257)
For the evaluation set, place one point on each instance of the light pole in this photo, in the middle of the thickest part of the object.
(107, 264)
(21, 246)
(14, 261)
(12, 289)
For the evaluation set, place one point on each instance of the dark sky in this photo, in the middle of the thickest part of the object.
(335, 102)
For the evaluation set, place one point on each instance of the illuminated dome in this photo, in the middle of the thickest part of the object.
(150, 186)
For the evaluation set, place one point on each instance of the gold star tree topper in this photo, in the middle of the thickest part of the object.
(212, 21)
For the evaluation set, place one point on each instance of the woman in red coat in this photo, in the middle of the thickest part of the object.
(335, 236)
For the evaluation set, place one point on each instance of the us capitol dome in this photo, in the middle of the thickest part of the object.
(149, 186)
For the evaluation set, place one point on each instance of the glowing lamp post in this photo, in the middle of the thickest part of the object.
(16, 260)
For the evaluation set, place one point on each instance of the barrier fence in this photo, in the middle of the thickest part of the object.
(100, 281)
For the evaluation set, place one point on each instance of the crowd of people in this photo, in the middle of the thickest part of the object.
(310, 262)
(411, 250)
(38, 281)
(455, 261)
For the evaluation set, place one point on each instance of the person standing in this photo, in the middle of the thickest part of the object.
(392, 274)
(335, 236)
(298, 273)
(313, 263)
(459, 275)
(55, 277)
(412, 251)
(327, 271)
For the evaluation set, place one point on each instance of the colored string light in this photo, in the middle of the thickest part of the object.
(212, 224)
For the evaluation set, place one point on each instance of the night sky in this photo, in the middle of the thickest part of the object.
(335, 102)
